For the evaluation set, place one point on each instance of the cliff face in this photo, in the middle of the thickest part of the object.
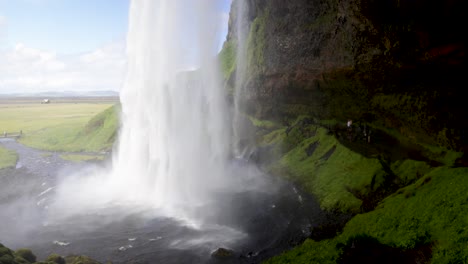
(400, 64)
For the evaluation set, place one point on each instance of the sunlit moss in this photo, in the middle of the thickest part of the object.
(227, 58)
(256, 43)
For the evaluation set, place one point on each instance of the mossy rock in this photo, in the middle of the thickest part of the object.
(80, 260)
(55, 258)
(5, 251)
(6, 255)
(26, 254)
(20, 260)
(223, 253)
(7, 259)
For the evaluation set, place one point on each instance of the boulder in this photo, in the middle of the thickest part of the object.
(26, 254)
(223, 253)
(55, 258)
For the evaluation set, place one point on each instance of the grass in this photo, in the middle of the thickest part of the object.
(428, 207)
(331, 178)
(310, 251)
(82, 157)
(81, 127)
(31, 118)
(8, 158)
(434, 152)
(433, 209)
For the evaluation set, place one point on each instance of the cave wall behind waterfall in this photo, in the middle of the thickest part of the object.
(399, 64)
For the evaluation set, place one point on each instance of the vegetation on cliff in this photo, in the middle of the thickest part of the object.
(385, 62)
(408, 203)
(399, 171)
(26, 256)
(429, 213)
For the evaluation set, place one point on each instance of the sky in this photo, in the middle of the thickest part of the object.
(67, 45)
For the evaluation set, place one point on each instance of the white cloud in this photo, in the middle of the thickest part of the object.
(25, 69)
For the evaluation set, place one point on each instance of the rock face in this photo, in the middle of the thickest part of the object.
(223, 253)
(400, 63)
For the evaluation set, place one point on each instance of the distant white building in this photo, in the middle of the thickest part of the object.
(45, 101)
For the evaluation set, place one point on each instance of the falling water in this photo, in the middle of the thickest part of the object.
(173, 143)
(174, 139)
(173, 194)
(242, 134)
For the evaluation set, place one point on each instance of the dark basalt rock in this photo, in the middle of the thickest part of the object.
(223, 253)
(365, 249)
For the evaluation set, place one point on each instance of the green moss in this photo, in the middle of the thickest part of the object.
(7, 259)
(20, 260)
(272, 138)
(435, 212)
(26, 254)
(227, 57)
(438, 208)
(6, 255)
(263, 124)
(330, 172)
(409, 171)
(80, 260)
(309, 252)
(256, 43)
(431, 152)
(55, 258)
(8, 158)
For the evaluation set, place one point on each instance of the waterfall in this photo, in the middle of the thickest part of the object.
(173, 142)
(242, 135)
(174, 138)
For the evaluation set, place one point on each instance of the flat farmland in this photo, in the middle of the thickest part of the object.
(53, 126)
(29, 115)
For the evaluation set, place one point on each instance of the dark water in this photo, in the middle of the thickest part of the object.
(254, 224)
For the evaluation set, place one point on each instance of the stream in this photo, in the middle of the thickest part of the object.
(252, 224)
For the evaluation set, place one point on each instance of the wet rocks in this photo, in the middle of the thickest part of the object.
(223, 253)
(55, 258)
(26, 254)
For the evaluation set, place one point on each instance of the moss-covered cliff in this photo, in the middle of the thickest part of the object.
(397, 63)
(396, 69)
(26, 256)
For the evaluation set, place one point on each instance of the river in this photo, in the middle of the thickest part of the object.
(254, 224)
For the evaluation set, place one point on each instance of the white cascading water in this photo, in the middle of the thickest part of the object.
(174, 139)
(241, 134)
(172, 149)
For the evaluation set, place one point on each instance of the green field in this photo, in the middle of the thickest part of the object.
(67, 125)
(7, 158)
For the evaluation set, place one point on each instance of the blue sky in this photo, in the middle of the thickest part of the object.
(65, 26)
(64, 36)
